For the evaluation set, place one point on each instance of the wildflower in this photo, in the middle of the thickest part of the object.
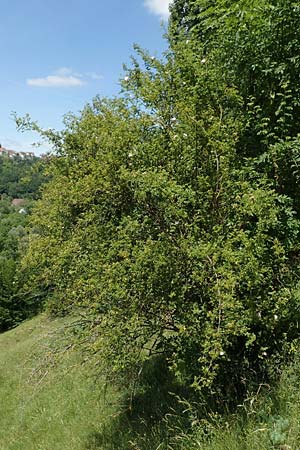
(126, 78)
(203, 60)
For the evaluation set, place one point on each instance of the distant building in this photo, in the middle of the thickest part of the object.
(18, 202)
(13, 154)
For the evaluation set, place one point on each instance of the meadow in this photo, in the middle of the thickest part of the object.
(53, 400)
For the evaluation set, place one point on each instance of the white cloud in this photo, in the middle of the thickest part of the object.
(55, 81)
(159, 7)
(63, 77)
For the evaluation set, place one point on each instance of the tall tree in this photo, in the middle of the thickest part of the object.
(257, 44)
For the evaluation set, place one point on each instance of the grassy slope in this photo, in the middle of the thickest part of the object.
(49, 401)
(52, 403)
(46, 406)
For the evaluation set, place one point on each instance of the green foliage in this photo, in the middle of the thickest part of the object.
(163, 237)
(11, 232)
(257, 45)
(170, 227)
(21, 178)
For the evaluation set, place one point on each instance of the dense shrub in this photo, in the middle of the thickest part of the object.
(162, 236)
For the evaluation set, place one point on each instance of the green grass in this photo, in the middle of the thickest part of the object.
(268, 420)
(50, 401)
(47, 404)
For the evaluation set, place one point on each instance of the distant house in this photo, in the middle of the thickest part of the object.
(28, 154)
(18, 202)
(13, 154)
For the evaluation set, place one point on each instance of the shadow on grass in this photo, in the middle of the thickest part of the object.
(148, 417)
(161, 412)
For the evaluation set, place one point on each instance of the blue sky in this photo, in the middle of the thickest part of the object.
(57, 55)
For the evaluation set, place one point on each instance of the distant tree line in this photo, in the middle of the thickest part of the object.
(19, 179)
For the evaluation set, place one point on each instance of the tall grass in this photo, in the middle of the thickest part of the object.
(51, 401)
(54, 402)
(45, 404)
(269, 419)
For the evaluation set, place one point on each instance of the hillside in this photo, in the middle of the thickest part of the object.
(46, 405)
(51, 401)
(21, 176)
(20, 183)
